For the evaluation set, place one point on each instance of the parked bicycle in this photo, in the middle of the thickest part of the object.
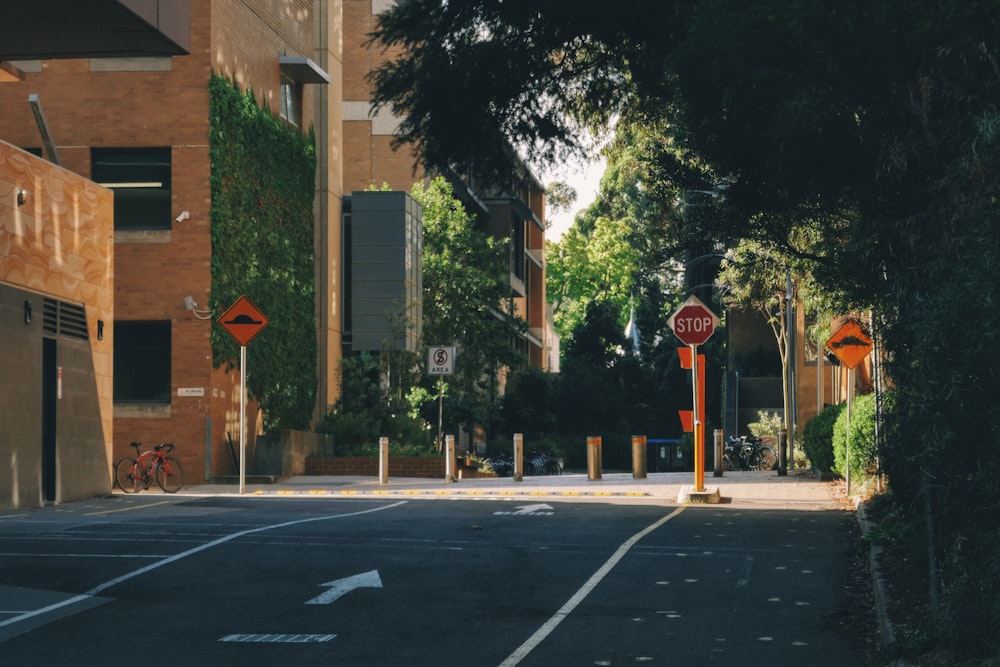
(747, 453)
(134, 474)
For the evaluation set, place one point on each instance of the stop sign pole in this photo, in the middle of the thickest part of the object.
(694, 323)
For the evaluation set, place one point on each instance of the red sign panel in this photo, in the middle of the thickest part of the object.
(243, 321)
(693, 322)
(850, 344)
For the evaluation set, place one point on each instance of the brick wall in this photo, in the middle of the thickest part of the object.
(430, 467)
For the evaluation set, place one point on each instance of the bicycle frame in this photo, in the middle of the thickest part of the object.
(134, 474)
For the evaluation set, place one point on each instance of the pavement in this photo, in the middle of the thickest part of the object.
(798, 489)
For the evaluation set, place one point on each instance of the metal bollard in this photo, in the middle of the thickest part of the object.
(593, 457)
(718, 453)
(518, 457)
(782, 458)
(638, 457)
(449, 458)
(383, 461)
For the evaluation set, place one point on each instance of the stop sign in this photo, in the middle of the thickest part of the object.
(693, 322)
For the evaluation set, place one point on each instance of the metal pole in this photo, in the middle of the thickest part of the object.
(440, 409)
(847, 444)
(638, 457)
(593, 457)
(518, 457)
(243, 419)
(718, 453)
(449, 458)
(383, 460)
(699, 428)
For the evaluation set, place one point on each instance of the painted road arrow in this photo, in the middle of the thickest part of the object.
(343, 586)
(525, 510)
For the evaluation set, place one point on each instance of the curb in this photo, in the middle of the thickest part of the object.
(886, 630)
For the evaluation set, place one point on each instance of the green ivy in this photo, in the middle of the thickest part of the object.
(263, 185)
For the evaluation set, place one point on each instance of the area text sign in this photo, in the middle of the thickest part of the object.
(243, 321)
(441, 361)
(850, 344)
(694, 323)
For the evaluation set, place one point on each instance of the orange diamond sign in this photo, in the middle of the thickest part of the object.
(243, 321)
(850, 344)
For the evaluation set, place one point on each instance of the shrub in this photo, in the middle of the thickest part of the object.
(817, 437)
(861, 436)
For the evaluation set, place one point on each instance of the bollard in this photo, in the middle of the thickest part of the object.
(718, 453)
(638, 457)
(593, 457)
(383, 461)
(782, 458)
(518, 457)
(449, 458)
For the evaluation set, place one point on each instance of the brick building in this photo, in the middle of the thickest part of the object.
(126, 106)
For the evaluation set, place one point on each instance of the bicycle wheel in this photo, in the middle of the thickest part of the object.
(764, 459)
(126, 476)
(170, 475)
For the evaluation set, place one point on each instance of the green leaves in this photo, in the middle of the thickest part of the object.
(263, 186)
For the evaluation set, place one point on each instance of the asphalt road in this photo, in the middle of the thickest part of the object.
(158, 580)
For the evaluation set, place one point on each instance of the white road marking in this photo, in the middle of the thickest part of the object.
(275, 638)
(534, 640)
(176, 557)
(342, 587)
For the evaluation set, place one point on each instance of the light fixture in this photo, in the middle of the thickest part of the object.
(100, 329)
(22, 196)
(182, 217)
(27, 311)
(192, 305)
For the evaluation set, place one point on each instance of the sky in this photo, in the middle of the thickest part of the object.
(586, 180)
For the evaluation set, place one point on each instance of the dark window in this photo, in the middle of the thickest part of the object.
(291, 100)
(142, 362)
(140, 179)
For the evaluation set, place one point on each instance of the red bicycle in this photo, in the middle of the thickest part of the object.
(134, 474)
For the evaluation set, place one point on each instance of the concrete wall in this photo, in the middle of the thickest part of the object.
(56, 249)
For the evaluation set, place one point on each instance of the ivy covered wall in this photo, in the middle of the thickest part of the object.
(263, 185)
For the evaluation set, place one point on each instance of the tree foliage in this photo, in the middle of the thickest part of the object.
(263, 184)
(873, 125)
(467, 303)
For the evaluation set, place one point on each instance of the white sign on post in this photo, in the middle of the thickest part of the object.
(441, 361)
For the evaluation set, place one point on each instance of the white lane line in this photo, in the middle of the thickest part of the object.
(534, 640)
(176, 557)
(274, 638)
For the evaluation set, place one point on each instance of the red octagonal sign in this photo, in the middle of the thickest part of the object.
(694, 323)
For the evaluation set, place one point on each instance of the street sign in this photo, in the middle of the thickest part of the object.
(850, 343)
(694, 323)
(441, 361)
(243, 321)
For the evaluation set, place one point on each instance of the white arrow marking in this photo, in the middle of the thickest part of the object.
(530, 509)
(346, 585)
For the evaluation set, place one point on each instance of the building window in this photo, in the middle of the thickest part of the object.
(291, 100)
(142, 362)
(140, 179)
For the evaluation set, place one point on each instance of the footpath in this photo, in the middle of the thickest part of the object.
(799, 489)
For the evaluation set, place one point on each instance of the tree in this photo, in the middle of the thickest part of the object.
(466, 303)
(874, 125)
(588, 267)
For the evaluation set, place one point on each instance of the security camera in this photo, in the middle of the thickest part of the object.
(190, 303)
(183, 216)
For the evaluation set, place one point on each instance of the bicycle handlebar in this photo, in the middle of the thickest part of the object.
(165, 446)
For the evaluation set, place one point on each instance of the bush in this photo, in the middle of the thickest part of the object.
(817, 437)
(767, 424)
(861, 436)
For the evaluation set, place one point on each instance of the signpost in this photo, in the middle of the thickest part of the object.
(694, 323)
(850, 344)
(243, 321)
(440, 362)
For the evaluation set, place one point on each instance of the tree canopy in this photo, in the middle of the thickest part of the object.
(873, 126)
